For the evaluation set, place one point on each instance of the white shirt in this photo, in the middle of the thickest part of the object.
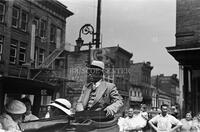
(7, 124)
(97, 84)
(137, 122)
(164, 123)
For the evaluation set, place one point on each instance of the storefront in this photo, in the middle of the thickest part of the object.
(189, 67)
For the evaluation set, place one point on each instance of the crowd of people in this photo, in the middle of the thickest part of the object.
(133, 120)
(165, 121)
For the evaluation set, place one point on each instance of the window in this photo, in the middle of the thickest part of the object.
(41, 56)
(42, 28)
(36, 57)
(22, 53)
(1, 46)
(53, 33)
(24, 20)
(36, 22)
(15, 17)
(2, 12)
(13, 51)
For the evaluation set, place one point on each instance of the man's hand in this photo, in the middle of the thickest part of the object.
(109, 112)
(79, 107)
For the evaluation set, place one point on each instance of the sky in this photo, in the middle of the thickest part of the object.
(143, 27)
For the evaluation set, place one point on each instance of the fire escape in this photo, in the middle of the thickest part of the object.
(47, 71)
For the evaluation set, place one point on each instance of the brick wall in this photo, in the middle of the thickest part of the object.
(11, 33)
(187, 22)
(77, 72)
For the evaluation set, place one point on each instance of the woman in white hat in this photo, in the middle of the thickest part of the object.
(9, 120)
(60, 107)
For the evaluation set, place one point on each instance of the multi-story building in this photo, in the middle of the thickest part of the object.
(141, 90)
(121, 60)
(187, 52)
(116, 61)
(166, 89)
(31, 31)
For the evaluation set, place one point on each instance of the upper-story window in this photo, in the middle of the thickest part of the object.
(36, 22)
(2, 12)
(15, 17)
(41, 56)
(53, 33)
(24, 20)
(13, 51)
(22, 53)
(43, 28)
(1, 46)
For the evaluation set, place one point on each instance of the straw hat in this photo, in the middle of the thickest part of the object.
(15, 107)
(99, 64)
(63, 105)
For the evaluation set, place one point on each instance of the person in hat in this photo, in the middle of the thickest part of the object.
(28, 116)
(59, 107)
(99, 95)
(9, 120)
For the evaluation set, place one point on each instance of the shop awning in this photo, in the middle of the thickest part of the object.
(25, 86)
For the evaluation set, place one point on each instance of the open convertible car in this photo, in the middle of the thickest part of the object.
(86, 121)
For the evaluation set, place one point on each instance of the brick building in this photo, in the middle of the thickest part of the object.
(76, 71)
(29, 32)
(141, 90)
(187, 52)
(32, 35)
(167, 87)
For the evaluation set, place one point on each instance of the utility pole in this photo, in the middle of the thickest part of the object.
(98, 24)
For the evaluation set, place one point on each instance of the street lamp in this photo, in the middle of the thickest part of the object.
(86, 29)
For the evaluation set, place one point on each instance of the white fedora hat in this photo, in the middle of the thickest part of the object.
(99, 64)
(15, 107)
(63, 105)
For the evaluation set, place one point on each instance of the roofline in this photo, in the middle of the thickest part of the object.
(60, 4)
(118, 47)
(185, 49)
(64, 6)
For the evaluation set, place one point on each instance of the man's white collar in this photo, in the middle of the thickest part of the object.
(97, 83)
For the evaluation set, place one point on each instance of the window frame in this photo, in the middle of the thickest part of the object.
(53, 33)
(43, 28)
(3, 13)
(17, 18)
(24, 22)
(1, 46)
(41, 54)
(13, 46)
(23, 47)
(37, 26)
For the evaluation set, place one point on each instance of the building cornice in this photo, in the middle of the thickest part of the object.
(51, 11)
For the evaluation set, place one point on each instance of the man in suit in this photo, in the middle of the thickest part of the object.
(98, 95)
